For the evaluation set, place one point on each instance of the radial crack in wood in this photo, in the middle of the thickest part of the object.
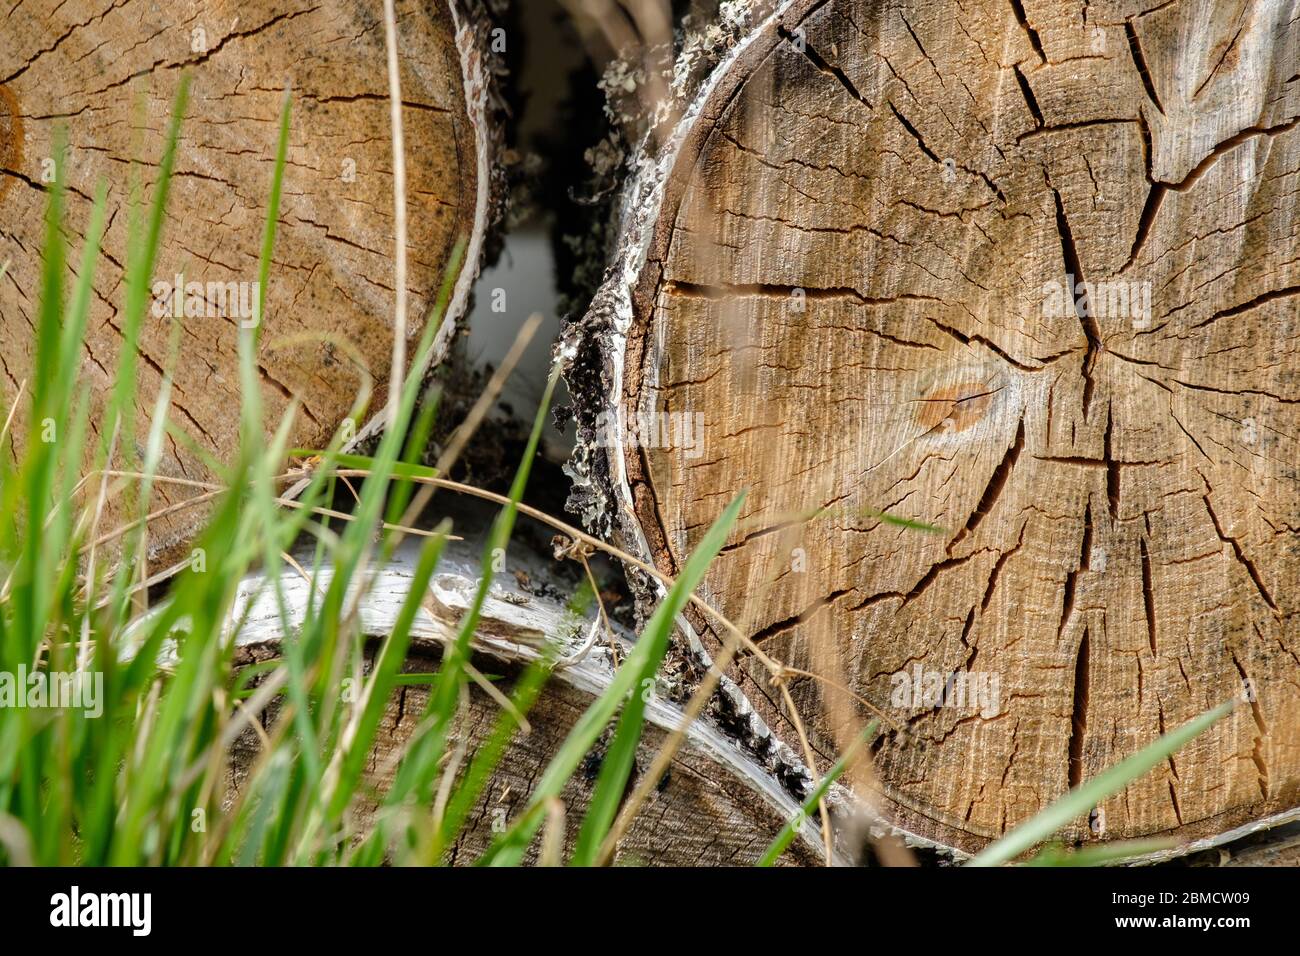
(858, 269)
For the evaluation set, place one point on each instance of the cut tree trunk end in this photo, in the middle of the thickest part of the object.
(1005, 298)
(107, 72)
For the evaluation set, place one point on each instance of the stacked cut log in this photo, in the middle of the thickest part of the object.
(1025, 275)
(104, 75)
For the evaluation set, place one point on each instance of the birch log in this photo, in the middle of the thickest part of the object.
(1026, 273)
(716, 806)
(106, 71)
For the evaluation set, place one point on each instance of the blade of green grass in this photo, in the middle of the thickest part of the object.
(644, 659)
(384, 678)
(1099, 855)
(143, 245)
(1087, 795)
(489, 755)
(253, 430)
(323, 635)
(415, 777)
(787, 834)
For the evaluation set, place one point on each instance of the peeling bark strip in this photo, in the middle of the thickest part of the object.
(850, 257)
(106, 71)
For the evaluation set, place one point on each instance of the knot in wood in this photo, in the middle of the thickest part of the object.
(11, 137)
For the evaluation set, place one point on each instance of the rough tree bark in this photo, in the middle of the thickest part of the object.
(106, 71)
(847, 261)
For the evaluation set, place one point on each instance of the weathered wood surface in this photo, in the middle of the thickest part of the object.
(841, 264)
(717, 804)
(106, 72)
